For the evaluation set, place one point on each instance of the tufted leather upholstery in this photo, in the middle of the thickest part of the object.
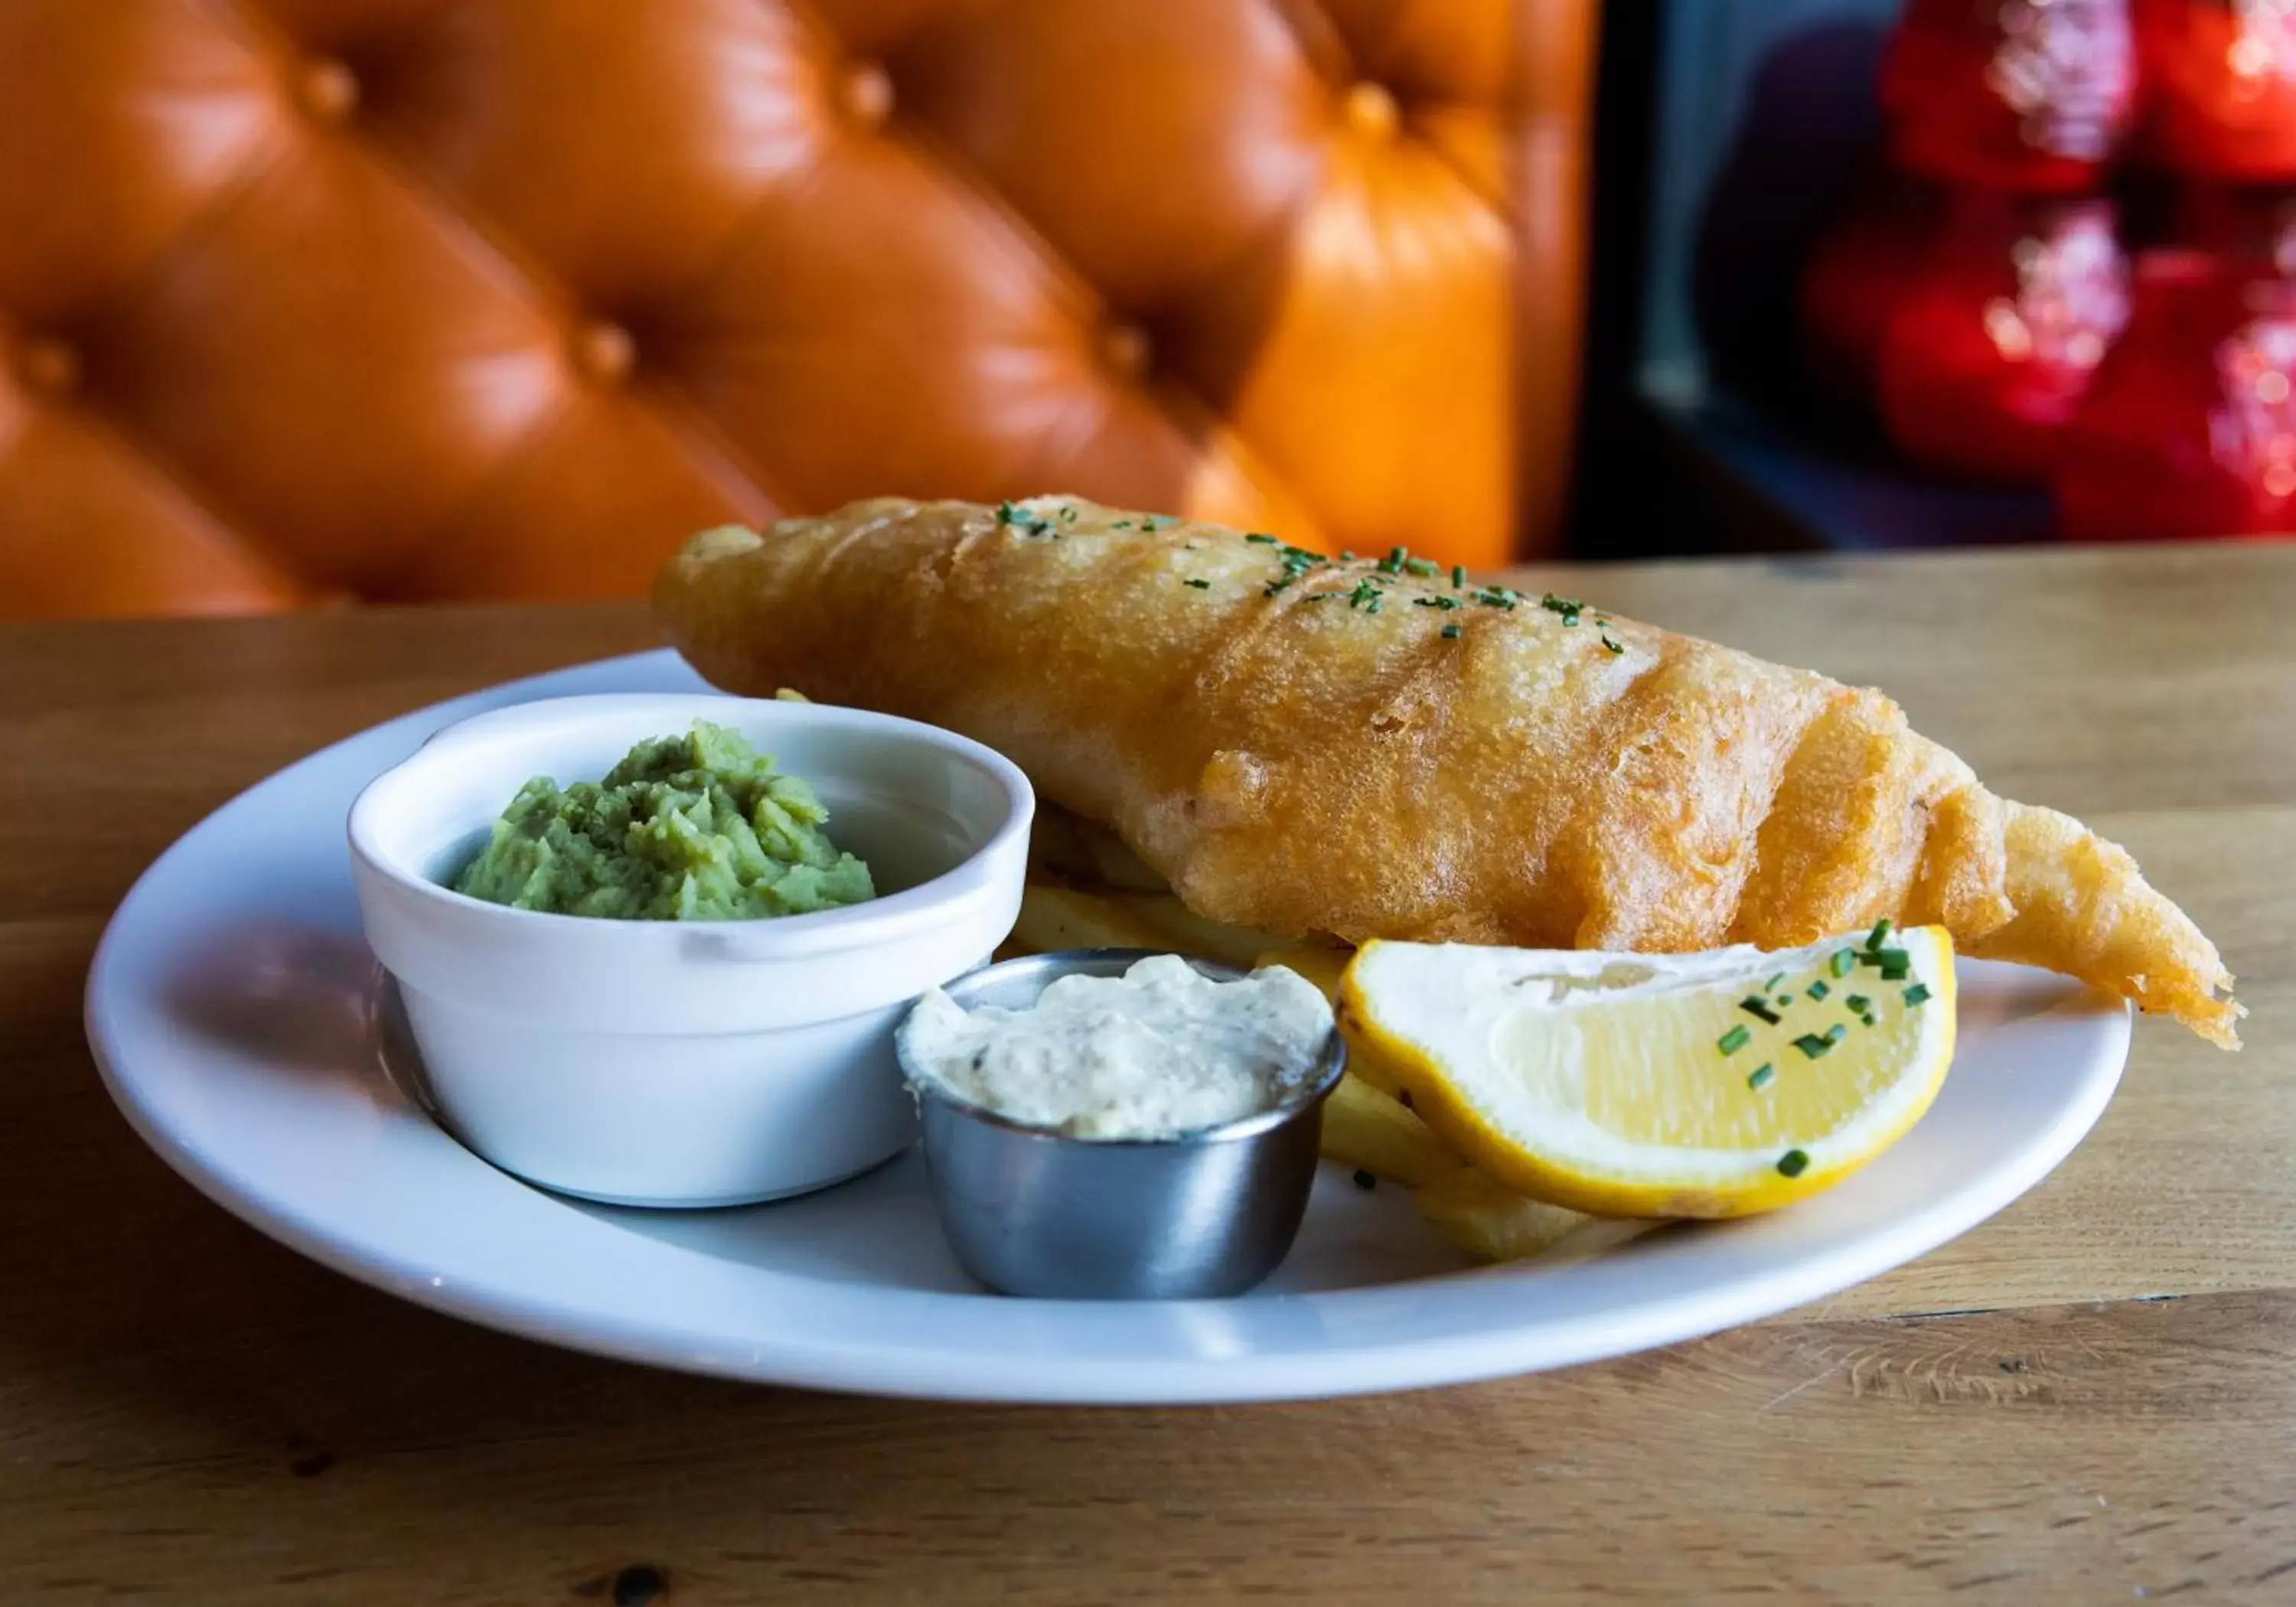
(419, 299)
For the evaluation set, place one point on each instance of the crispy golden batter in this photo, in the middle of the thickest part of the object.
(1307, 762)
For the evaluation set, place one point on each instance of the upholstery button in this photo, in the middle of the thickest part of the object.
(328, 91)
(867, 94)
(604, 352)
(1370, 109)
(1126, 349)
(49, 368)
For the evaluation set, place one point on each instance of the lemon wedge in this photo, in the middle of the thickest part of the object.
(1707, 1084)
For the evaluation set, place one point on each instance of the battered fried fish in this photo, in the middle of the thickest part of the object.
(1377, 749)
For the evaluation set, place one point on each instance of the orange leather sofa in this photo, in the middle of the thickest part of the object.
(305, 301)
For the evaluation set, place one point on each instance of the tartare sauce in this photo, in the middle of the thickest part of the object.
(1161, 1051)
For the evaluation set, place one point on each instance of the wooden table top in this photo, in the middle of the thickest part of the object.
(2090, 1399)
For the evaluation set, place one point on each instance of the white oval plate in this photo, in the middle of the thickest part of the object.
(229, 1010)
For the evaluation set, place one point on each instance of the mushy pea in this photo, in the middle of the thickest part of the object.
(699, 827)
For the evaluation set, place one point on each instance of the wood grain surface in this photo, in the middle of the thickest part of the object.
(2090, 1399)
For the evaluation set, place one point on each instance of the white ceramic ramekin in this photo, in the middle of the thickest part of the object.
(686, 1064)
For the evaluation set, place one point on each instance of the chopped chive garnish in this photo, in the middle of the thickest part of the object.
(1459, 576)
(1613, 644)
(1451, 631)
(1421, 566)
(1836, 1033)
(1121, 524)
(1818, 989)
(1783, 1000)
(1878, 936)
(1793, 1163)
(1813, 1045)
(1843, 963)
(1772, 985)
(1733, 1040)
(1868, 1019)
(1918, 993)
(1264, 540)
(1858, 1003)
(1570, 607)
(1202, 585)
(1347, 554)
(1895, 963)
(1392, 564)
(1759, 1010)
(1760, 1076)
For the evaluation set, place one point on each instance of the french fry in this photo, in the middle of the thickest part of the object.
(1486, 1218)
(1323, 967)
(1073, 849)
(1055, 916)
(1062, 917)
(1366, 1129)
(1190, 933)
(1115, 863)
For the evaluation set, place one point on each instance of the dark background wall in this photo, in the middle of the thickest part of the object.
(1728, 132)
